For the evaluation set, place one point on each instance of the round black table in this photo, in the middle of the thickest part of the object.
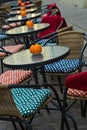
(18, 18)
(24, 59)
(24, 31)
(18, 7)
(17, 12)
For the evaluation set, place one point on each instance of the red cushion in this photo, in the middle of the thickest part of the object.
(12, 49)
(77, 81)
(54, 22)
(76, 93)
(15, 76)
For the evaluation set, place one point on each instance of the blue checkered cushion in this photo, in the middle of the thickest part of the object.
(3, 37)
(29, 100)
(62, 66)
(50, 43)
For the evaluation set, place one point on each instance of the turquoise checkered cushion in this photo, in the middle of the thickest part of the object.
(28, 101)
(62, 66)
(50, 43)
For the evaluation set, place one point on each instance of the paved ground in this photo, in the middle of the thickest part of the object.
(78, 18)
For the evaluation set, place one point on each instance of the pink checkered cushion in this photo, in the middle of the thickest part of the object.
(12, 49)
(11, 25)
(76, 93)
(15, 76)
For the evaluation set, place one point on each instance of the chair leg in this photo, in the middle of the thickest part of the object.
(14, 125)
(60, 84)
(73, 120)
(64, 121)
(13, 120)
(65, 114)
(83, 108)
(43, 75)
(2, 69)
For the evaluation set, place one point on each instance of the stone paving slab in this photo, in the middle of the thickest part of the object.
(44, 121)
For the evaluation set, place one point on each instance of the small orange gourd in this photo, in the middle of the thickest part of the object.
(19, 2)
(23, 13)
(29, 23)
(35, 49)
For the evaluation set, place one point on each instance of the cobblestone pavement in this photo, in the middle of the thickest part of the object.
(51, 121)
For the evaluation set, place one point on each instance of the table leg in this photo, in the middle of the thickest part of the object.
(43, 74)
(35, 75)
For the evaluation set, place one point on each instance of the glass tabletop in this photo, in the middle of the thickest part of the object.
(25, 30)
(18, 7)
(20, 18)
(25, 59)
(17, 12)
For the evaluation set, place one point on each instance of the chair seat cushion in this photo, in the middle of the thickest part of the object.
(42, 42)
(12, 49)
(62, 66)
(76, 93)
(11, 25)
(15, 76)
(28, 101)
(3, 36)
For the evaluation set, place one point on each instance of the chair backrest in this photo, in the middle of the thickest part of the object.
(6, 7)
(74, 40)
(56, 22)
(38, 3)
(68, 28)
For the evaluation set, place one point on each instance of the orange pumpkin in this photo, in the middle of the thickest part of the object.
(35, 49)
(22, 8)
(23, 13)
(19, 2)
(29, 23)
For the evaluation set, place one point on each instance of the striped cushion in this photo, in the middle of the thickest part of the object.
(62, 66)
(3, 37)
(50, 43)
(12, 49)
(15, 76)
(28, 101)
(76, 93)
(11, 25)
